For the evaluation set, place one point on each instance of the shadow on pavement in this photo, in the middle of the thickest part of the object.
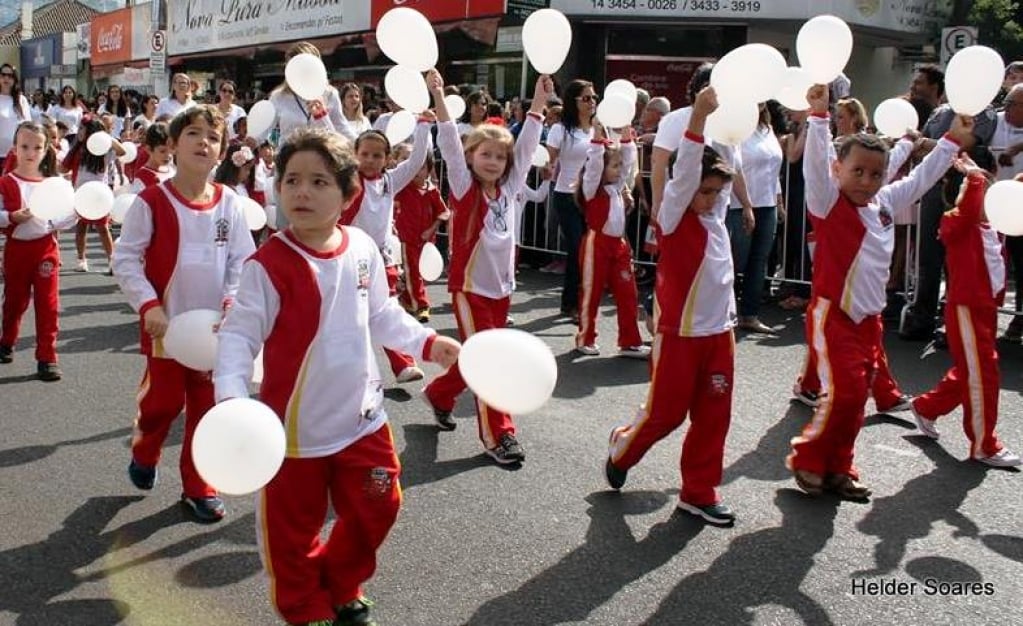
(767, 460)
(766, 567)
(1006, 545)
(219, 570)
(117, 338)
(30, 454)
(419, 458)
(588, 374)
(610, 559)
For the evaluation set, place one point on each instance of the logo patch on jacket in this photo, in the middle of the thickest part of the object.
(362, 275)
(379, 482)
(46, 268)
(719, 384)
(885, 216)
(222, 233)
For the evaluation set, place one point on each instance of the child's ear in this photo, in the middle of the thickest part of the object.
(835, 166)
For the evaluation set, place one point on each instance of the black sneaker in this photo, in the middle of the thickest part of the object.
(904, 403)
(355, 613)
(6, 354)
(209, 509)
(717, 514)
(615, 477)
(141, 476)
(442, 418)
(808, 398)
(508, 452)
(48, 372)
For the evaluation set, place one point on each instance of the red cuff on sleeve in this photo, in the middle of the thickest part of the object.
(601, 142)
(152, 304)
(322, 114)
(428, 346)
(952, 139)
(535, 116)
(226, 304)
(424, 120)
(820, 115)
(691, 136)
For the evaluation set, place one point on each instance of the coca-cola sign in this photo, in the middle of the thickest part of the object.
(110, 40)
(111, 37)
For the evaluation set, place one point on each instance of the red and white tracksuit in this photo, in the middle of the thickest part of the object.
(372, 210)
(605, 257)
(481, 274)
(851, 267)
(181, 256)
(975, 262)
(146, 177)
(317, 316)
(31, 262)
(693, 357)
(416, 210)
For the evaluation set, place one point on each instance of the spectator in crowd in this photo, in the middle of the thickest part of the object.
(38, 106)
(795, 294)
(117, 106)
(928, 85)
(1007, 145)
(225, 104)
(147, 109)
(293, 111)
(180, 98)
(14, 108)
(850, 118)
(518, 115)
(388, 108)
(351, 108)
(67, 111)
(475, 112)
(642, 99)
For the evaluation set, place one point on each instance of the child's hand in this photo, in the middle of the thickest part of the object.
(155, 322)
(544, 91)
(965, 165)
(962, 130)
(22, 216)
(547, 172)
(434, 81)
(428, 115)
(598, 132)
(444, 351)
(706, 102)
(628, 134)
(316, 109)
(817, 96)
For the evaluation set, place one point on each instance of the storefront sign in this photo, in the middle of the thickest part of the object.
(206, 25)
(38, 55)
(911, 16)
(522, 8)
(110, 39)
(659, 76)
(84, 45)
(441, 10)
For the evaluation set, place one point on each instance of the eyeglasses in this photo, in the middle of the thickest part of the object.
(588, 98)
(499, 209)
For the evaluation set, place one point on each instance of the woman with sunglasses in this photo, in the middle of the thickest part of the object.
(117, 106)
(231, 111)
(14, 108)
(180, 99)
(567, 143)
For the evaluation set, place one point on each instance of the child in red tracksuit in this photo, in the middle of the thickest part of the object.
(181, 248)
(485, 175)
(976, 288)
(31, 259)
(855, 239)
(693, 359)
(157, 167)
(418, 213)
(316, 297)
(605, 257)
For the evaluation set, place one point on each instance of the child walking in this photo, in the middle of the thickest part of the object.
(484, 177)
(693, 359)
(158, 167)
(418, 213)
(31, 259)
(605, 257)
(855, 238)
(976, 288)
(181, 248)
(316, 296)
(372, 211)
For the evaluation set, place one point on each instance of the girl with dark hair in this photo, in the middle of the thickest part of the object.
(67, 111)
(238, 171)
(231, 111)
(148, 114)
(14, 108)
(475, 112)
(117, 106)
(567, 143)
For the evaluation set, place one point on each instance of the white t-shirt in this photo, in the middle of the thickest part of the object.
(1006, 136)
(72, 117)
(171, 106)
(571, 154)
(761, 168)
(9, 120)
(292, 112)
(360, 125)
(671, 128)
(233, 115)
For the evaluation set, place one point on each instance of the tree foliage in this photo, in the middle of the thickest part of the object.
(998, 24)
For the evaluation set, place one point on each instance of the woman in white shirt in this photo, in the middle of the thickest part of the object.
(14, 108)
(293, 111)
(351, 109)
(475, 112)
(67, 111)
(761, 158)
(180, 99)
(225, 104)
(567, 143)
(117, 106)
(148, 114)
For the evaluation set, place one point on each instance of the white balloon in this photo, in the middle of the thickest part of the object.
(306, 76)
(239, 446)
(823, 46)
(99, 143)
(895, 116)
(750, 72)
(261, 118)
(1003, 204)
(547, 38)
(52, 199)
(973, 78)
(615, 111)
(93, 200)
(131, 152)
(541, 157)
(400, 127)
(455, 105)
(407, 37)
(255, 214)
(794, 84)
(407, 88)
(190, 339)
(623, 87)
(510, 370)
(431, 263)
(121, 205)
(257, 368)
(732, 122)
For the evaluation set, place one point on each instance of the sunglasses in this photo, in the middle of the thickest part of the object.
(589, 98)
(7, 74)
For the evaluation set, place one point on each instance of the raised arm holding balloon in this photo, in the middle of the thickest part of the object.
(305, 98)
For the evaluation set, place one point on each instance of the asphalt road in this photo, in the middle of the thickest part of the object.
(545, 544)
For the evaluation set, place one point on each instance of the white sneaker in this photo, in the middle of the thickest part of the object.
(590, 350)
(82, 266)
(927, 428)
(635, 352)
(410, 374)
(1002, 458)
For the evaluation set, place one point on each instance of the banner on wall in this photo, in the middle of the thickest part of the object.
(110, 38)
(441, 10)
(40, 54)
(660, 76)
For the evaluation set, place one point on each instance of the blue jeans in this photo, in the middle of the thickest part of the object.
(749, 254)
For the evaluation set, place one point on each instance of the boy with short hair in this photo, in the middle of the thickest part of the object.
(181, 248)
(157, 166)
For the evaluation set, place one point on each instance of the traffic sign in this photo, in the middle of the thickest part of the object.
(158, 51)
(954, 39)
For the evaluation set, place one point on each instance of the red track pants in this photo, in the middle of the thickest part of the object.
(973, 379)
(474, 314)
(413, 297)
(167, 388)
(309, 577)
(606, 263)
(689, 376)
(398, 360)
(31, 273)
